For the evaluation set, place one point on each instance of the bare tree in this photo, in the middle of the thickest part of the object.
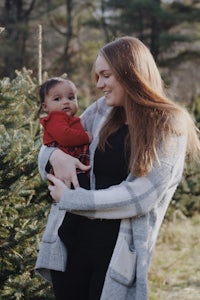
(15, 18)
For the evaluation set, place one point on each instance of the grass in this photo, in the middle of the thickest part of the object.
(175, 268)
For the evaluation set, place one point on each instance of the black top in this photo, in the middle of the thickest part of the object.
(110, 168)
(111, 165)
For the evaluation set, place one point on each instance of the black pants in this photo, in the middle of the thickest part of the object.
(89, 248)
(90, 245)
(84, 276)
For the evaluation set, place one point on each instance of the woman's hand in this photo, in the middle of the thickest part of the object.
(65, 166)
(56, 187)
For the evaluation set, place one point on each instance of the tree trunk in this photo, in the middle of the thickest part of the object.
(155, 31)
(16, 22)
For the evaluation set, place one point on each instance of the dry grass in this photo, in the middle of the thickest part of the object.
(175, 268)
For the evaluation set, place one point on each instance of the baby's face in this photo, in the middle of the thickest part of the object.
(61, 97)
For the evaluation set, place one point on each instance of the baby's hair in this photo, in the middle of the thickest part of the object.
(46, 87)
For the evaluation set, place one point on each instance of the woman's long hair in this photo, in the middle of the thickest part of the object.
(150, 115)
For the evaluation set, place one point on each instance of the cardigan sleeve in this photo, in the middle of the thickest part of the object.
(43, 158)
(134, 197)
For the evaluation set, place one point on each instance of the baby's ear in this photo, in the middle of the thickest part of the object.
(44, 107)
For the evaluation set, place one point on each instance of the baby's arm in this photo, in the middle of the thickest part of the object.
(58, 126)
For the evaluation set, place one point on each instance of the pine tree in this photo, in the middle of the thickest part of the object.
(24, 203)
(187, 196)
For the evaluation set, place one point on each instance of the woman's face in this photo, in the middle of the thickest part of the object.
(113, 91)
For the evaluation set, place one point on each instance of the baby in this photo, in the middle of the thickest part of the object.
(62, 128)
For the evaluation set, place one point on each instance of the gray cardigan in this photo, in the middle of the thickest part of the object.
(140, 203)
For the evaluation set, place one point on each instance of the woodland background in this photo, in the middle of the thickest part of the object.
(72, 32)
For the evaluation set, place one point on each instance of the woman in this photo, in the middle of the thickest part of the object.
(140, 141)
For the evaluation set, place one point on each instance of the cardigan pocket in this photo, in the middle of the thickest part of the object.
(123, 264)
(52, 253)
(54, 221)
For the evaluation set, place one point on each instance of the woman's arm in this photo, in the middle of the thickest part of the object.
(134, 197)
(43, 158)
(128, 199)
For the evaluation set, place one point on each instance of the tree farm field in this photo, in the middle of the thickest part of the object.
(175, 267)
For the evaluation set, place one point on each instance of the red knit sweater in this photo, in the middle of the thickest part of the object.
(66, 133)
